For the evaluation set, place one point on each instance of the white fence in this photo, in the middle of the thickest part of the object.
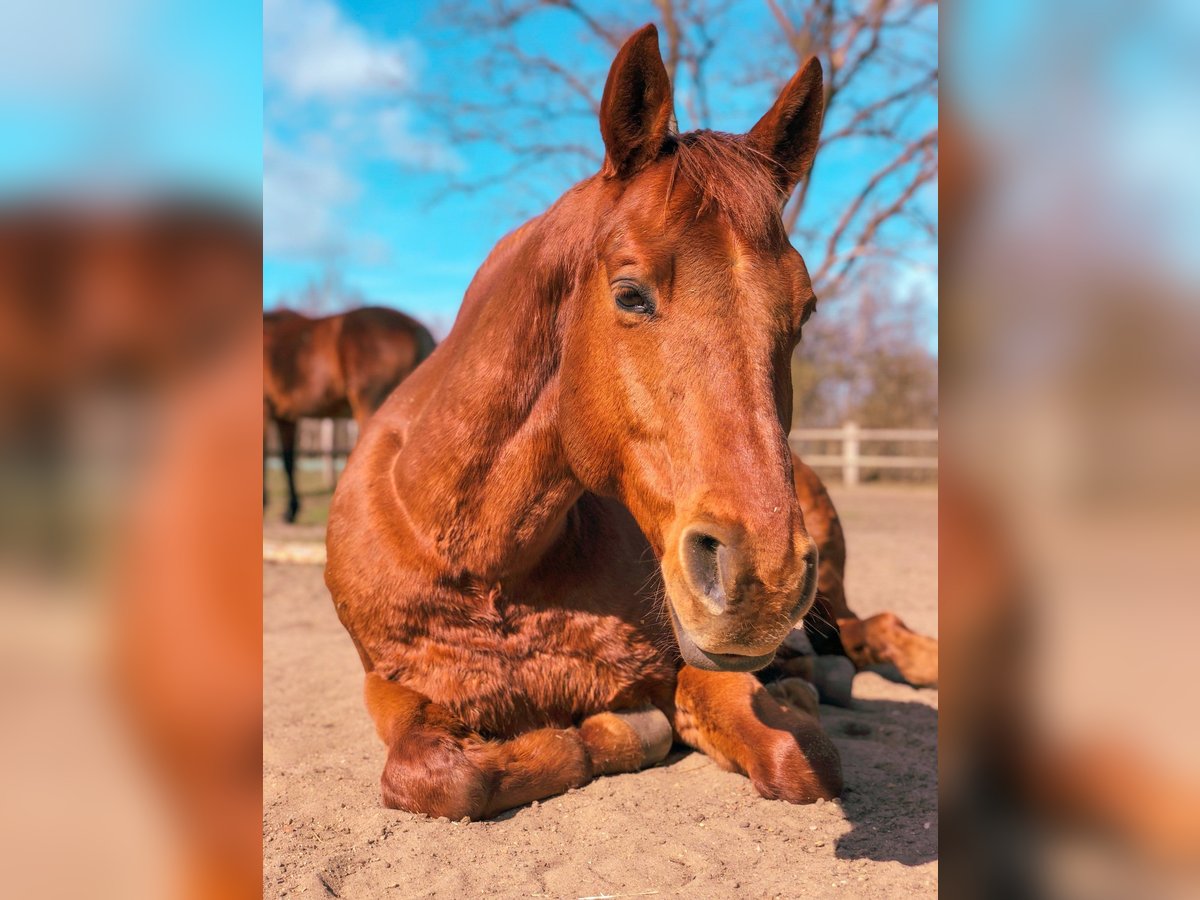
(852, 460)
(328, 441)
(331, 440)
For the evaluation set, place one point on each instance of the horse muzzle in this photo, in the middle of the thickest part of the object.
(725, 614)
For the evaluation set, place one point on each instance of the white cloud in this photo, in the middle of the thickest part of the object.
(302, 194)
(74, 48)
(313, 52)
(390, 134)
(335, 101)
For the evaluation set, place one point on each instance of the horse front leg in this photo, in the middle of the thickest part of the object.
(438, 766)
(732, 718)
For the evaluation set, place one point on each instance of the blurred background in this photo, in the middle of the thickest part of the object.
(130, 348)
(1070, 322)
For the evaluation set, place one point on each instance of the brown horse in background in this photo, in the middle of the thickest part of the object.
(571, 536)
(334, 367)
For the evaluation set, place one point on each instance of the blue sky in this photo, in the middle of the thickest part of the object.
(131, 95)
(353, 160)
(315, 108)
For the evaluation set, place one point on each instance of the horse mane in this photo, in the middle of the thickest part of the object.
(725, 172)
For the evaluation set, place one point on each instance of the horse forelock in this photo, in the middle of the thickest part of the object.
(715, 171)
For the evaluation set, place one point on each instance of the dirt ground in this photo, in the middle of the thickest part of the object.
(683, 829)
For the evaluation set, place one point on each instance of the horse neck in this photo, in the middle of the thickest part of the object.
(482, 473)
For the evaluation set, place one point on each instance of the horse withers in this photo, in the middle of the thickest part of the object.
(574, 533)
(338, 366)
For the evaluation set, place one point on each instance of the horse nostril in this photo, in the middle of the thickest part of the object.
(807, 582)
(702, 559)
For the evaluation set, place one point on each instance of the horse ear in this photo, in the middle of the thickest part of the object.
(789, 131)
(638, 108)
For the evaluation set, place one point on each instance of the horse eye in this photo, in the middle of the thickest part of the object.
(631, 299)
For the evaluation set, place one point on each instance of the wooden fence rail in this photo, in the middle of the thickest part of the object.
(331, 440)
(852, 460)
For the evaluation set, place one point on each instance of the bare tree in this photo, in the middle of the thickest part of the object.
(323, 295)
(868, 360)
(880, 58)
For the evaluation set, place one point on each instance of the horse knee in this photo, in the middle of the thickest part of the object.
(430, 774)
(798, 768)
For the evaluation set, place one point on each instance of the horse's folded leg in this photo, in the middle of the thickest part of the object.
(918, 662)
(532, 766)
(430, 772)
(884, 639)
(736, 721)
(438, 766)
(626, 741)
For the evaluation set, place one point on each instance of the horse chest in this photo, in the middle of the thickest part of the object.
(513, 666)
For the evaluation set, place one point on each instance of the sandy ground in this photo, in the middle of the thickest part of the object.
(683, 829)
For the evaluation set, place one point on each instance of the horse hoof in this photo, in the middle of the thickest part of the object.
(653, 730)
(798, 692)
(626, 741)
(834, 679)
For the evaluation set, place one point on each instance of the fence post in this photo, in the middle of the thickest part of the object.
(850, 453)
(327, 448)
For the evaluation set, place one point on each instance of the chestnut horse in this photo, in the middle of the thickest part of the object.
(337, 366)
(573, 534)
